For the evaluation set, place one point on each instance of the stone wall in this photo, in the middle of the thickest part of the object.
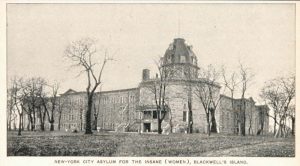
(117, 109)
(177, 100)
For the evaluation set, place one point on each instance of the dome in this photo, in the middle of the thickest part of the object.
(179, 52)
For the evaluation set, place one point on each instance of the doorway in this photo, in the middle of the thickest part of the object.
(147, 127)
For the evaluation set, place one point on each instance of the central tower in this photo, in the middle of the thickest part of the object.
(180, 60)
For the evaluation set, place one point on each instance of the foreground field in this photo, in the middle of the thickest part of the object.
(133, 144)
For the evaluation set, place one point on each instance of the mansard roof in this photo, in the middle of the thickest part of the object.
(177, 50)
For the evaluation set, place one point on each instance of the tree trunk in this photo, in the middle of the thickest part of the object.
(213, 121)
(191, 122)
(190, 117)
(52, 125)
(159, 130)
(34, 120)
(278, 132)
(88, 125)
(170, 121)
(22, 123)
(15, 127)
(262, 124)
(208, 124)
(32, 125)
(41, 119)
(249, 130)
(275, 121)
(9, 122)
(28, 123)
(42, 126)
(20, 119)
(293, 126)
(244, 118)
(59, 119)
(52, 121)
(284, 128)
(95, 123)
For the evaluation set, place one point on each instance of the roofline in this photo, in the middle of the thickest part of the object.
(110, 91)
(149, 81)
(248, 99)
(172, 64)
(118, 90)
(64, 94)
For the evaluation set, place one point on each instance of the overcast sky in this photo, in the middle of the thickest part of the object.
(261, 35)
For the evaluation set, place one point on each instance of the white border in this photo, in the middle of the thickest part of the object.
(4, 160)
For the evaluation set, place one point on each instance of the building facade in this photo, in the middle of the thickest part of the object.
(134, 110)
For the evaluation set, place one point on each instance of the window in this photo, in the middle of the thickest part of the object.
(184, 116)
(154, 115)
(147, 115)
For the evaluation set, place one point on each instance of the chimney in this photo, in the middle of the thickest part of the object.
(146, 74)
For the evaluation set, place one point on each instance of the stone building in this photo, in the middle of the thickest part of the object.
(135, 109)
(256, 116)
(115, 110)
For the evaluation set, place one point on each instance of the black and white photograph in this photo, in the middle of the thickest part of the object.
(197, 80)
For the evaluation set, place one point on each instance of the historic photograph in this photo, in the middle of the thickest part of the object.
(147, 80)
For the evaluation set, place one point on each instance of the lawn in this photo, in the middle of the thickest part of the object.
(133, 144)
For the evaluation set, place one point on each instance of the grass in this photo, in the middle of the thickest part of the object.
(133, 144)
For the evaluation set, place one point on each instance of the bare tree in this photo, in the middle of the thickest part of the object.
(97, 109)
(291, 115)
(279, 94)
(245, 76)
(81, 53)
(206, 90)
(288, 85)
(231, 83)
(158, 87)
(33, 87)
(189, 79)
(159, 90)
(19, 97)
(50, 103)
(10, 108)
(41, 113)
(250, 116)
(269, 94)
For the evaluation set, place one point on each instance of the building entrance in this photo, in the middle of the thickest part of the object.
(147, 127)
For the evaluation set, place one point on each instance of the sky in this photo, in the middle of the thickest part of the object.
(262, 36)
